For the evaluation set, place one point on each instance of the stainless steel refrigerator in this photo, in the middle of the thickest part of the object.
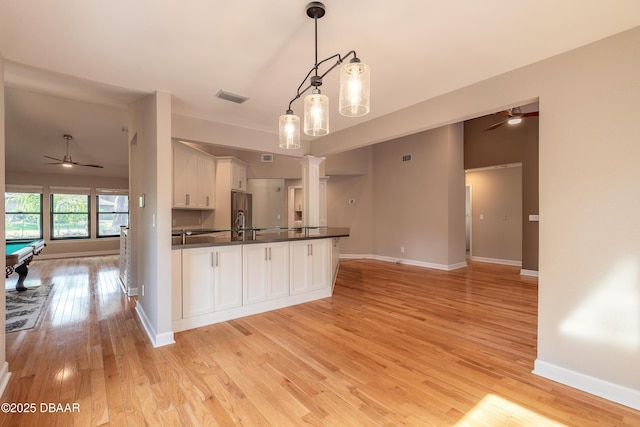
(241, 210)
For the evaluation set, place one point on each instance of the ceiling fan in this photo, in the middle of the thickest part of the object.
(513, 117)
(66, 161)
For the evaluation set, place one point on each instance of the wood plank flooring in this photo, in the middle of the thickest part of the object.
(395, 345)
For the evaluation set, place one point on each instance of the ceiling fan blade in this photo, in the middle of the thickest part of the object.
(505, 113)
(53, 158)
(54, 163)
(88, 165)
(532, 114)
(495, 125)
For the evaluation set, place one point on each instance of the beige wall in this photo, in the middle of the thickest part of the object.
(496, 214)
(269, 202)
(419, 205)
(71, 248)
(150, 174)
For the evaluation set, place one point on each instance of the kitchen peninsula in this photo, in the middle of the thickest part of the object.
(220, 275)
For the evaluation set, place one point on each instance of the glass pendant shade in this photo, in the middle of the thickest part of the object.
(355, 80)
(289, 125)
(316, 114)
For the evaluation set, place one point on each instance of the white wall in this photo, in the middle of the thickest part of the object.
(589, 266)
(4, 367)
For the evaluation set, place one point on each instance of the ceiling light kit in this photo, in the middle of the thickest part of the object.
(512, 116)
(354, 99)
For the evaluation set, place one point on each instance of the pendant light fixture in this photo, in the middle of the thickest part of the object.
(354, 92)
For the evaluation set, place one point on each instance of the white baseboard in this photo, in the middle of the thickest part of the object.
(607, 390)
(157, 340)
(4, 377)
(445, 267)
(497, 261)
(531, 273)
(44, 255)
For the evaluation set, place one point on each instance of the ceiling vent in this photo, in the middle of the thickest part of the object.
(406, 158)
(266, 158)
(228, 96)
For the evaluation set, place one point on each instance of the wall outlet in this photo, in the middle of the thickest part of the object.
(401, 249)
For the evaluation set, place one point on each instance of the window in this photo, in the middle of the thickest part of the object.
(23, 209)
(113, 211)
(69, 215)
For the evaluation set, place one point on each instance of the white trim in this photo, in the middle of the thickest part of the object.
(85, 191)
(445, 267)
(488, 168)
(179, 325)
(497, 261)
(157, 340)
(19, 188)
(607, 390)
(112, 192)
(531, 273)
(44, 255)
(4, 377)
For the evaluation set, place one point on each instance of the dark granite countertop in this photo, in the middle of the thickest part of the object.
(203, 238)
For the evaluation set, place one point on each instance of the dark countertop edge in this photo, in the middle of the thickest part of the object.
(327, 234)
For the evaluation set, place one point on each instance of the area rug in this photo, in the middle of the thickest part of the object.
(23, 308)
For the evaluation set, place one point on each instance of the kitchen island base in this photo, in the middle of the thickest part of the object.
(217, 283)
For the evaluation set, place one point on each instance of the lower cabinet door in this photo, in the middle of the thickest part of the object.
(254, 273)
(227, 262)
(321, 263)
(299, 267)
(278, 270)
(197, 282)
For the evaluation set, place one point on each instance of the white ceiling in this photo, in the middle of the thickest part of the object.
(72, 66)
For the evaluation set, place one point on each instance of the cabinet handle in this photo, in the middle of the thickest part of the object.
(265, 254)
(212, 264)
(187, 199)
(269, 254)
(217, 263)
(311, 246)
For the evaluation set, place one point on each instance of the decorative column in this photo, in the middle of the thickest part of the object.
(311, 191)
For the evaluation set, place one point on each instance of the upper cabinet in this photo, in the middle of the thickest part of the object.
(237, 173)
(194, 175)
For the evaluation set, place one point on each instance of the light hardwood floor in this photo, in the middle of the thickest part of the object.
(395, 345)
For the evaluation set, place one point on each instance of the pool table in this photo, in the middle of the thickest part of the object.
(19, 255)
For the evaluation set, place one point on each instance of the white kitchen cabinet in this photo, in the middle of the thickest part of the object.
(211, 279)
(310, 265)
(265, 272)
(176, 285)
(194, 175)
(227, 261)
(335, 258)
(197, 282)
(205, 190)
(238, 175)
(185, 176)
